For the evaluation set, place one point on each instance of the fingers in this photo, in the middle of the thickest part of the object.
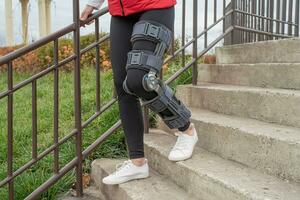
(91, 22)
(87, 12)
(84, 14)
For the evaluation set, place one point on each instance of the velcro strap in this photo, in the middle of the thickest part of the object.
(141, 59)
(153, 32)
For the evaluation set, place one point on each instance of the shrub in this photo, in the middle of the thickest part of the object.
(43, 57)
(29, 62)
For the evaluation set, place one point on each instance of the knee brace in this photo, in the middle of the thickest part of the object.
(166, 102)
(151, 62)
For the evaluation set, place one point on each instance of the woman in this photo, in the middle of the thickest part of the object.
(141, 33)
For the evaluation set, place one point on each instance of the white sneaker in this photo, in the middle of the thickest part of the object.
(184, 146)
(127, 171)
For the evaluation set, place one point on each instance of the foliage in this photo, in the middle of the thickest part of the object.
(114, 146)
(43, 57)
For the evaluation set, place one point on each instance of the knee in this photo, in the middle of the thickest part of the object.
(135, 82)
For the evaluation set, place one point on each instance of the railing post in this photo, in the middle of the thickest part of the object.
(290, 17)
(297, 18)
(272, 18)
(10, 130)
(205, 22)
(56, 108)
(98, 83)
(195, 46)
(284, 6)
(233, 5)
(277, 17)
(224, 13)
(77, 96)
(34, 120)
(183, 30)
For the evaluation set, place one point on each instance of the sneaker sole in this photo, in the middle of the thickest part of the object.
(126, 179)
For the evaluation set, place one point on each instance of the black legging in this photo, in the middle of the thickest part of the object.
(129, 105)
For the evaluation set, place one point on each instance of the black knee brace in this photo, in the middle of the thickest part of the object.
(151, 62)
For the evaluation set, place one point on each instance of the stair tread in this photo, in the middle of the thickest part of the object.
(232, 175)
(237, 88)
(273, 51)
(254, 44)
(265, 75)
(89, 193)
(251, 126)
(154, 187)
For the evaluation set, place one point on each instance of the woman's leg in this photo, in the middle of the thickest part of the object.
(129, 105)
(135, 76)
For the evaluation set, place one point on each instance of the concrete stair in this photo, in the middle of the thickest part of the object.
(272, 51)
(155, 187)
(273, 149)
(269, 75)
(208, 176)
(246, 109)
(270, 105)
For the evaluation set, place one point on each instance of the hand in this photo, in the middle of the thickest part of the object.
(88, 10)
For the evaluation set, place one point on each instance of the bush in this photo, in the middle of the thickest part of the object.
(43, 57)
(26, 63)
(88, 59)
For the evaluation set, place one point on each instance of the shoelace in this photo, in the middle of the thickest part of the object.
(121, 166)
(181, 142)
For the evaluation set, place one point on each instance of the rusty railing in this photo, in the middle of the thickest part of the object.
(240, 21)
(259, 20)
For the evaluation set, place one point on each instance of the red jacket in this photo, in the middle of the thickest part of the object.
(127, 7)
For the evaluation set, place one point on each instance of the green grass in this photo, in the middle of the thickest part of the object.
(113, 147)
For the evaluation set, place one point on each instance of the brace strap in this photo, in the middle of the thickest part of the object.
(155, 33)
(166, 100)
(144, 60)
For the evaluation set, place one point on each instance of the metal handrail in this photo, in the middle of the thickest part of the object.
(238, 19)
(258, 20)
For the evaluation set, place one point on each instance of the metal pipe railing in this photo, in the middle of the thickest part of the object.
(258, 20)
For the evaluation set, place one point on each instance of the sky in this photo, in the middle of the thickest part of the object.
(62, 16)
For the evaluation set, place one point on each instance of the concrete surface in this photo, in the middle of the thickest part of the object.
(90, 193)
(211, 177)
(271, 148)
(276, 51)
(156, 187)
(270, 105)
(269, 75)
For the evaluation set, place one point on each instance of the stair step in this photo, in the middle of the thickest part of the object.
(273, 51)
(89, 193)
(270, 75)
(156, 187)
(272, 148)
(271, 105)
(210, 177)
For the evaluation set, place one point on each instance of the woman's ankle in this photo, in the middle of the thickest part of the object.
(190, 130)
(138, 161)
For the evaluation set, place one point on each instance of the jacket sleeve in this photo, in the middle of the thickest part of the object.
(95, 3)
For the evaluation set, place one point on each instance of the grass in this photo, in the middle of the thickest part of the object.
(113, 147)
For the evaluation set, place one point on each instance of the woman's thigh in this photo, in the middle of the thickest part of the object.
(120, 34)
(164, 16)
(135, 76)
